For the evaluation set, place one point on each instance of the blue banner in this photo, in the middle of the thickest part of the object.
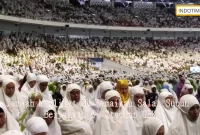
(96, 59)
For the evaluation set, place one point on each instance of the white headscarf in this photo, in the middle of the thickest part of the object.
(87, 94)
(46, 94)
(151, 126)
(106, 85)
(18, 78)
(140, 113)
(80, 123)
(163, 112)
(63, 92)
(99, 101)
(42, 109)
(36, 125)
(181, 125)
(15, 104)
(114, 123)
(11, 123)
(185, 89)
(13, 132)
(26, 89)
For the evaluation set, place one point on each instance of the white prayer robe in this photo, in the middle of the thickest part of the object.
(99, 101)
(42, 108)
(140, 113)
(36, 125)
(63, 92)
(46, 94)
(163, 112)
(11, 123)
(75, 118)
(15, 104)
(26, 89)
(181, 125)
(114, 123)
(151, 126)
(87, 94)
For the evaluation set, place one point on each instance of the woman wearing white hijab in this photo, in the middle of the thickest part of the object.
(153, 126)
(29, 85)
(19, 80)
(33, 100)
(36, 126)
(114, 119)
(89, 92)
(42, 86)
(165, 110)
(12, 98)
(75, 115)
(187, 89)
(13, 132)
(187, 121)
(7, 122)
(63, 89)
(137, 107)
(100, 95)
(47, 111)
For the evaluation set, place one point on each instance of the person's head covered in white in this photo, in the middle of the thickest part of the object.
(7, 121)
(42, 86)
(104, 87)
(186, 120)
(73, 112)
(63, 89)
(153, 126)
(29, 85)
(138, 108)
(165, 110)
(37, 126)
(47, 111)
(12, 98)
(114, 118)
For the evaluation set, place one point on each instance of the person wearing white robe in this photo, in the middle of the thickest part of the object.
(15, 102)
(100, 95)
(36, 126)
(75, 117)
(42, 111)
(187, 121)
(114, 122)
(89, 92)
(153, 126)
(29, 85)
(137, 107)
(187, 89)
(19, 79)
(165, 110)
(10, 123)
(33, 100)
(13, 132)
(42, 82)
(63, 88)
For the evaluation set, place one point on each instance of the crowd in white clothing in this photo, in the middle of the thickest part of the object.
(164, 57)
(48, 93)
(113, 108)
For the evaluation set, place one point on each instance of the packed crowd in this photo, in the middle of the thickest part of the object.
(32, 103)
(60, 11)
(48, 87)
(164, 57)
